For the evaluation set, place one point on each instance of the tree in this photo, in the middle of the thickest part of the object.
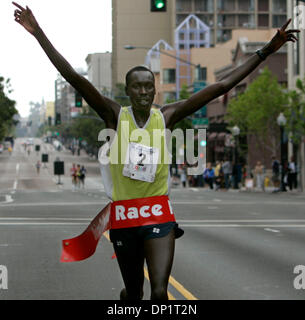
(255, 111)
(295, 113)
(7, 108)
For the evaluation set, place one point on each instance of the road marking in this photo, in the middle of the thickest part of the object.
(181, 289)
(172, 281)
(271, 230)
(174, 202)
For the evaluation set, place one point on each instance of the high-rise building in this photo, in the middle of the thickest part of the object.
(134, 24)
(296, 70)
(99, 71)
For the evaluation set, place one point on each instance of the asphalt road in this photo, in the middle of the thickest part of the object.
(237, 245)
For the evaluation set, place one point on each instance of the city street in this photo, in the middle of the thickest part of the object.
(237, 245)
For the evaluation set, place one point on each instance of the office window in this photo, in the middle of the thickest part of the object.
(263, 5)
(278, 20)
(204, 5)
(279, 6)
(263, 20)
(183, 6)
(169, 75)
(226, 5)
(201, 74)
(245, 5)
(169, 97)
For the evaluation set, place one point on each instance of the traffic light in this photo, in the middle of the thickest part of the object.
(58, 118)
(157, 5)
(78, 99)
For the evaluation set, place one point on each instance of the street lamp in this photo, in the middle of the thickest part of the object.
(236, 132)
(281, 121)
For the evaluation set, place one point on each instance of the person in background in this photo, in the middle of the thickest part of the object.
(82, 176)
(218, 173)
(275, 174)
(259, 175)
(208, 175)
(227, 171)
(292, 174)
(38, 165)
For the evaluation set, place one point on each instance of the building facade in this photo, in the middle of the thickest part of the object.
(134, 24)
(296, 70)
(99, 71)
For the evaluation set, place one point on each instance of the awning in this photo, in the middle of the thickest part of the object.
(212, 136)
(221, 136)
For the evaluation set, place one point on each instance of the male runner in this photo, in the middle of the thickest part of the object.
(153, 243)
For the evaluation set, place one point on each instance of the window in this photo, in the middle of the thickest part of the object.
(263, 5)
(201, 74)
(204, 5)
(183, 6)
(169, 97)
(279, 6)
(169, 75)
(278, 20)
(263, 20)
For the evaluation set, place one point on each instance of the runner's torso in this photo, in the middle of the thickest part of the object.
(123, 182)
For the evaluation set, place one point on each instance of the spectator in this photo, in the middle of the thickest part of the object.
(82, 176)
(292, 174)
(275, 174)
(208, 175)
(259, 175)
(218, 174)
(227, 171)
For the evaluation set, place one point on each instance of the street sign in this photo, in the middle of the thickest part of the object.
(200, 123)
(199, 85)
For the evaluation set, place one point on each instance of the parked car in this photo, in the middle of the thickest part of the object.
(1, 148)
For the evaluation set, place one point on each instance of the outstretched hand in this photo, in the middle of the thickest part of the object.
(26, 18)
(282, 36)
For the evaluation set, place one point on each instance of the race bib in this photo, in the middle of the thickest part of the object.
(141, 162)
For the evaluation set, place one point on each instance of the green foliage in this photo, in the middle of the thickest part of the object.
(120, 95)
(7, 109)
(255, 111)
(87, 127)
(295, 113)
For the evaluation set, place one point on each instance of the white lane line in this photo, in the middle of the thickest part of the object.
(271, 230)
(17, 173)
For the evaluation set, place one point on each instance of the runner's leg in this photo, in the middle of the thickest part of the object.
(131, 263)
(159, 254)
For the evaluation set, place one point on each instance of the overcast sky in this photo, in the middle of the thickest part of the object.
(75, 27)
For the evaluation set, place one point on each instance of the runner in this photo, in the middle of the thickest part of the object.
(154, 243)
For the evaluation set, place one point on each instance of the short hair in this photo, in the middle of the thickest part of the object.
(134, 69)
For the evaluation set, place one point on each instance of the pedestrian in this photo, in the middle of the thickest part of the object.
(227, 171)
(78, 174)
(218, 174)
(292, 174)
(259, 175)
(275, 174)
(73, 173)
(38, 165)
(183, 175)
(82, 176)
(208, 175)
(135, 181)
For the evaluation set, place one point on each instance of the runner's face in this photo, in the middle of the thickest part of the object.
(141, 89)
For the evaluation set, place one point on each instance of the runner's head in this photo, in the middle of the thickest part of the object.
(140, 87)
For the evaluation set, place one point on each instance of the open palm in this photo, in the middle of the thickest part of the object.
(26, 18)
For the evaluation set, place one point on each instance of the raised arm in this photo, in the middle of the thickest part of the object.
(106, 108)
(181, 109)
